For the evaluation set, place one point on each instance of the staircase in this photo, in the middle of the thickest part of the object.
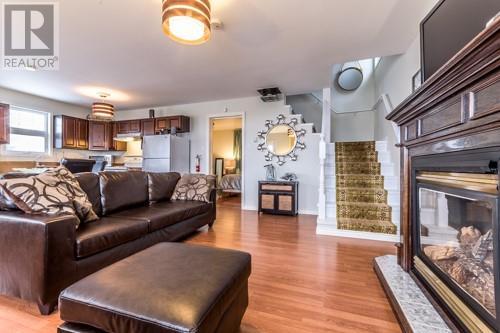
(362, 201)
(361, 192)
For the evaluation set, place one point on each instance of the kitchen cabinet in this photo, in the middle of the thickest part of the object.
(4, 124)
(116, 145)
(82, 134)
(70, 133)
(99, 135)
(129, 126)
(148, 126)
(164, 124)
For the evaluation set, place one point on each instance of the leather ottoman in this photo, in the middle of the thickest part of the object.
(169, 287)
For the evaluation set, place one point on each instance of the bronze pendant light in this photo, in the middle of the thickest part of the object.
(187, 21)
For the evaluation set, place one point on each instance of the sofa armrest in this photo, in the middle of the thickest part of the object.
(36, 252)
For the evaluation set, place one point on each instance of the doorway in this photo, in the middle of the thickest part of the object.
(226, 158)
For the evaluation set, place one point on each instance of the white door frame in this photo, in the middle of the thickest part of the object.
(208, 163)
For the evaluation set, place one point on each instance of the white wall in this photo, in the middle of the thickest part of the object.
(356, 126)
(393, 75)
(254, 113)
(53, 107)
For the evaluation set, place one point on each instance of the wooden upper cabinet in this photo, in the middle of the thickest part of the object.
(4, 124)
(70, 133)
(116, 145)
(182, 123)
(82, 134)
(135, 126)
(123, 127)
(129, 126)
(161, 124)
(99, 135)
(148, 126)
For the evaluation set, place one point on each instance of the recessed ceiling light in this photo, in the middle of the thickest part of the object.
(187, 21)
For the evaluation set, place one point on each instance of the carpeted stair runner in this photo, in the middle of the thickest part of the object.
(361, 198)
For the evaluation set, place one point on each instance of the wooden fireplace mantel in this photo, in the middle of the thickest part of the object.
(456, 109)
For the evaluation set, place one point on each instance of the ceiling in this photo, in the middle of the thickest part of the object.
(118, 46)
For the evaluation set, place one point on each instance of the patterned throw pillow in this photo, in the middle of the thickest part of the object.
(55, 191)
(194, 187)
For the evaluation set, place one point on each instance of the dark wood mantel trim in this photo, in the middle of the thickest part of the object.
(476, 60)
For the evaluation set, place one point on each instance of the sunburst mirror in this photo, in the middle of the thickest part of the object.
(281, 140)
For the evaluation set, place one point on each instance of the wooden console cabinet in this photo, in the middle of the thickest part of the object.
(278, 197)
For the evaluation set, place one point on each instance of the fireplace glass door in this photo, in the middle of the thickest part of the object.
(457, 235)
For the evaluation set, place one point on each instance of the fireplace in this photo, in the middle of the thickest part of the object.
(456, 234)
(450, 151)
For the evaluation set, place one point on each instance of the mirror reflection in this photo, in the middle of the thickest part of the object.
(281, 140)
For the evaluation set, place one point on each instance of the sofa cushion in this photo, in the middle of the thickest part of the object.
(106, 233)
(195, 187)
(164, 214)
(121, 190)
(89, 182)
(161, 186)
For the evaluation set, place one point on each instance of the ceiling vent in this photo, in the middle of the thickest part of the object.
(270, 94)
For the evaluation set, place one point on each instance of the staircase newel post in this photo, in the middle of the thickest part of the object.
(322, 194)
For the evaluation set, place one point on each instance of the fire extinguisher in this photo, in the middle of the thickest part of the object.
(198, 163)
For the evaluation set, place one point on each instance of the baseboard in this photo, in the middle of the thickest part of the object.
(331, 230)
(301, 211)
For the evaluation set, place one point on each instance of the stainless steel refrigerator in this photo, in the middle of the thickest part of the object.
(165, 153)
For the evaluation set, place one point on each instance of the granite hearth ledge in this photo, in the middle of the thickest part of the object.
(414, 308)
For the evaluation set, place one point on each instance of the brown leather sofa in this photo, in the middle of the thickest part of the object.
(41, 255)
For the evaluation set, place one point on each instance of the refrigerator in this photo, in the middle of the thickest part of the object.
(166, 153)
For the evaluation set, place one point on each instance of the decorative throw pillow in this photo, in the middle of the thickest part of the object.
(5, 202)
(194, 187)
(55, 191)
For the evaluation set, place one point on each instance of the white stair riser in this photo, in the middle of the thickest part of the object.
(393, 198)
(384, 157)
(387, 169)
(391, 183)
(381, 146)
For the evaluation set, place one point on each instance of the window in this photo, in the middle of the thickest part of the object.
(29, 131)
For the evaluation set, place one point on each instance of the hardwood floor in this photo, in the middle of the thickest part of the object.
(300, 282)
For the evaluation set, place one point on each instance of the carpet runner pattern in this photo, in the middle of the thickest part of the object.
(361, 197)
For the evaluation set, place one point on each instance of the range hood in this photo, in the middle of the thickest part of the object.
(136, 136)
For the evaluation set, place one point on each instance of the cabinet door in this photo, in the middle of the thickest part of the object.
(69, 132)
(123, 127)
(82, 134)
(161, 124)
(135, 126)
(148, 127)
(116, 145)
(4, 124)
(99, 135)
(175, 122)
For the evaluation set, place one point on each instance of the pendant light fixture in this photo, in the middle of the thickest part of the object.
(187, 21)
(102, 110)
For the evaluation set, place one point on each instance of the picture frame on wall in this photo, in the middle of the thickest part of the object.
(416, 80)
